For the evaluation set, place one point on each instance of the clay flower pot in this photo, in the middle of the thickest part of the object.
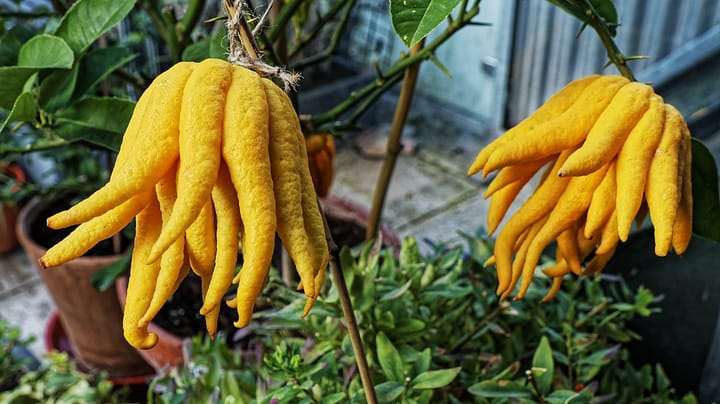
(91, 319)
(168, 352)
(9, 211)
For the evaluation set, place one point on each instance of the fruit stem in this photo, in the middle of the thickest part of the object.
(349, 314)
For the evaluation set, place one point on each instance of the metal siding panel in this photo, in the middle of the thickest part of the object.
(548, 60)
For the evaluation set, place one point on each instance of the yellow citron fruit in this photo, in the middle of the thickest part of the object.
(209, 159)
(615, 151)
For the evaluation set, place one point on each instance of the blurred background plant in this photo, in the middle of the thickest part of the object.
(437, 334)
(58, 381)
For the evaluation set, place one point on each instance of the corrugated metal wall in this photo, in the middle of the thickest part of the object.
(546, 54)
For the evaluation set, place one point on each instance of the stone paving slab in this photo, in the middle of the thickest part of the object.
(28, 306)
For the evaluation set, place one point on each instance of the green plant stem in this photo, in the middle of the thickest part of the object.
(152, 10)
(394, 144)
(186, 25)
(172, 39)
(334, 41)
(27, 14)
(593, 19)
(349, 314)
(535, 387)
(318, 27)
(396, 69)
(613, 52)
(284, 15)
(34, 147)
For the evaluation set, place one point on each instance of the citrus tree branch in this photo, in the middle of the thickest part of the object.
(394, 144)
(397, 68)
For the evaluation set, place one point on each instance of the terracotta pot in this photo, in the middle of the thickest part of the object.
(56, 339)
(9, 212)
(168, 352)
(348, 218)
(92, 319)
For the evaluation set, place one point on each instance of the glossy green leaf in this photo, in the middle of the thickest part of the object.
(434, 379)
(396, 293)
(389, 392)
(389, 358)
(105, 277)
(605, 9)
(46, 52)
(97, 64)
(56, 89)
(500, 389)
(87, 20)
(23, 110)
(72, 132)
(543, 359)
(13, 79)
(105, 113)
(706, 204)
(413, 20)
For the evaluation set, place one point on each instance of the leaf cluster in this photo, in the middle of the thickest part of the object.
(12, 364)
(58, 381)
(435, 332)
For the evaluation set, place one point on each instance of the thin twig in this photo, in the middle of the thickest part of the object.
(349, 314)
(318, 27)
(535, 386)
(334, 41)
(397, 68)
(394, 143)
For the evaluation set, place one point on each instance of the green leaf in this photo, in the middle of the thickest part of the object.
(605, 9)
(415, 19)
(11, 42)
(706, 205)
(72, 133)
(422, 363)
(409, 252)
(97, 64)
(87, 20)
(434, 379)
(213, 46)
(23, 110)
(105, 277)
(109, 115)
(543, 359)
(46, 52)
(394, 294)
(389, 392)
(56, 89)
(13, 79)
(499, 389)
(408, 326)
(389, 358)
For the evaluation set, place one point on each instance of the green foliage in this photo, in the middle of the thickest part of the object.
(434, 331)
(12, 366)
(58, 381)
(706, 205)
(413, 20)
(584, 10)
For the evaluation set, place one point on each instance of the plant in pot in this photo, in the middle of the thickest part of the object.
(62, 106)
